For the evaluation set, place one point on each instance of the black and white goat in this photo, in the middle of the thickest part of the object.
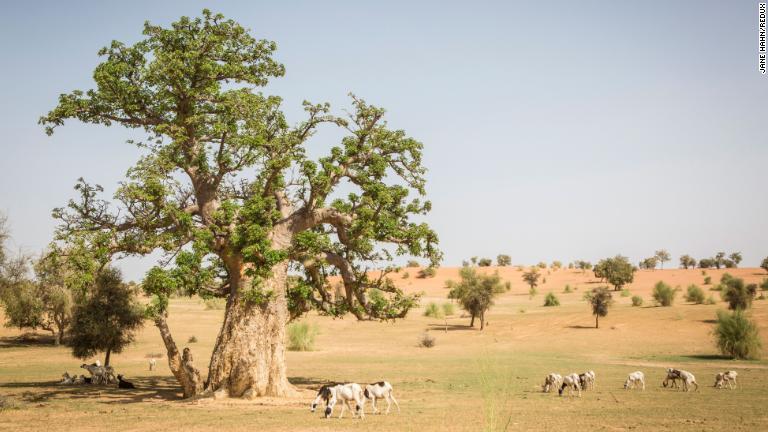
(726, 378)
(330, 394)
(380, 390)
(572, 382)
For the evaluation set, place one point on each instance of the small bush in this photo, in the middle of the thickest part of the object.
(426, 341)
(637, 301)
(764, 285)
(532, 292)
(192, 339)
(664, 294)
(542, 265)
(718, 287)
(551, 300)
(521, 310)
(301, 336)
(485, 262)
(543, 281)
(433, 311)
(703, 272)
(737, 294)
(625, 293)
(707, 280)
(448, 309)
(214, 303)
(427, 272)
(567, 289)
(737, 336)
(694, 294)
(710, 300)
(413, 263)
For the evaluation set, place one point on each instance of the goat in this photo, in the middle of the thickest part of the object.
(726, 378)
(97, 372)
(121, 383)
(152, 364)
(380, 390)
(66, 379)
(672, 375)
(572, 382)
(587, 380)
(332, 393)
(633, 379)
(551, 382)
(688, 380)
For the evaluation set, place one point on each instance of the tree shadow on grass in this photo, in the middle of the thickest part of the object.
(580, 327)
(147, 389)
(706, 357)
(709, 321)
(27, 340)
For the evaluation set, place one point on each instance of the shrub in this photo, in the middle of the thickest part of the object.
(664, 294)
(433, 311)
(448, 309)
(737, 294)
(764, 285)
(637, 301)
(707, 280)
(551, 300)
(532, 292)
(764, 264)
(484, 262)
(426, 341)
(542, 265)
(503, 260)
(406, 275)
(544, 280)
(301, 336)
(737, 336)
(413, 263)
(192, 339)
(521, 310)
(427, 272)
(694, 294)
(710, 300)
(567, 289)
(214, 303)
(625, 293)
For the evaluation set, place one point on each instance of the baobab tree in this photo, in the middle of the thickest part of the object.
(226, 189)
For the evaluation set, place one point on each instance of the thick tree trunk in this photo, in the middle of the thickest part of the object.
(249, 357)
(472, 322)
(181, 366)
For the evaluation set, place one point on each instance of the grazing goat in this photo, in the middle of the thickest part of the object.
(726, 378)
(551, 382)
(380, 390)
(152, 364)
(587, 380)
(331, 394)
(572, 382)
(688, 380)
(121, 383)
(634, 379)
(671, 379)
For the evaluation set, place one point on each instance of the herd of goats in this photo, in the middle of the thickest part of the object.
(353, 392)
(100, 375)
(348, 393)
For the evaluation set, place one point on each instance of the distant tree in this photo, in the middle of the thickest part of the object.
(556, 265)
(570, 266)
(737, 336)
(617, 271)
(107, 319)
(687, 261)
(600, 299)
(764, 264)
(706, 263)
(583, 265)
(735, 258)
(476, 292)
(719, 260)
(474, 260)
(531, 277)
(427, 272)
(503, 260)
(736, 293)
(664, 294)
(413, 263)
(648, 263)
(663, 256)
(484, 262)
(542, 265)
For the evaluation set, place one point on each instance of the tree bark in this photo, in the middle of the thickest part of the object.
(472, 322)
(181, 366)
(596, 322)
(106, 357)
(249, 356)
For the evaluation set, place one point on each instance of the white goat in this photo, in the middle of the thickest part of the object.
(380, 390)
(331, 394)
(152, 364)
(66, 379)
(571, 381)
(587, 380)
(688, 380)
(551, 382)
(726, 378)
(634, 379)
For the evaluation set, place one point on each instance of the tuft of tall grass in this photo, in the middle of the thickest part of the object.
(301, 336)
(551, 300)
(448, 309)
(495, 386)
(433, 311)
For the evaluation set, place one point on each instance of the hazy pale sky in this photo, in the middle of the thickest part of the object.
(552, 130)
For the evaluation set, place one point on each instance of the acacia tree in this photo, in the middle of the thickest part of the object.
(617, 271)
(735, 258)
(687, 261)
(764, 264)
(476, 292)
(600, 299)
(226, 187)
(662, 256)
(531, 277)
(648, 263)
